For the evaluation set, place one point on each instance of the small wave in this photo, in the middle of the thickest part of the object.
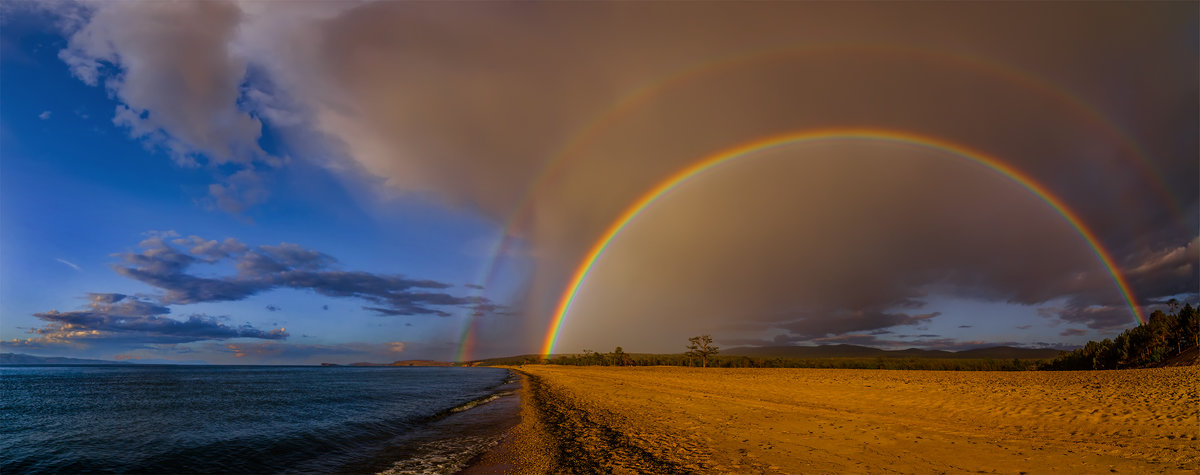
(477, 402)
(443, 456)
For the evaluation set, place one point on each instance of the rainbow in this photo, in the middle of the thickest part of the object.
(748, 149)
(645, 93)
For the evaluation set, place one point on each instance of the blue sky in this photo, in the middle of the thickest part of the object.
(248, 183)
(77, 189)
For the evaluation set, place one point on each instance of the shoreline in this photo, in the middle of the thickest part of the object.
(524, 448)
(560, 433)
(691, 420)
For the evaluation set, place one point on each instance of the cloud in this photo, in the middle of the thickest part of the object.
(237, 192)
(928, 342)
(1097, 317)
(141, 53)
(44, 115)
(814, 327)
(165, 261)
(69, 264)
(165, 258)
(1073, 332)
(1024, 327)
(111, 317)
(1168, 271)
(470, 104)
(175, 72)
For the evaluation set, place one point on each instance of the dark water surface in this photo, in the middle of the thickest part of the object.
(248, 419)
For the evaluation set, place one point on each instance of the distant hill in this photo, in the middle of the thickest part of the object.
(398, 363)
(421, 363)
(21, 359)
(855, 351)
(507, 360)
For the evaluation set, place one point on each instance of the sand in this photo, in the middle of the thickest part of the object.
(677, 420)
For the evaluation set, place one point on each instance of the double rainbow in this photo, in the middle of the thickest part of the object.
(749, 149)
(637, 98)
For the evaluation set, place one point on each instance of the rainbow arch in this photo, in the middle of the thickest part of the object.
(749, 148)
(641, 95)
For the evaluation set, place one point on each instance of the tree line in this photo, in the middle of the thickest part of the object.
(1163, 336)
(928, 364)
(701, 352)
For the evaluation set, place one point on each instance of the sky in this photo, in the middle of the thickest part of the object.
(295, 183)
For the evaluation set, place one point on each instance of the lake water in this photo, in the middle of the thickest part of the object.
(249, 419)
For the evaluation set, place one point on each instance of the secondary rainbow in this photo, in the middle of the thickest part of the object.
(748, 149)
(643, 94)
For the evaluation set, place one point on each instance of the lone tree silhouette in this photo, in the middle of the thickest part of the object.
(620, 358)
(701, 347)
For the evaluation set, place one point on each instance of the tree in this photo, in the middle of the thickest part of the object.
(620, 358)
(1189, 326)
(593, 358)
(701, 347)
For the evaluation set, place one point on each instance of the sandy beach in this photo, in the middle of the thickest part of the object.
(693, 420)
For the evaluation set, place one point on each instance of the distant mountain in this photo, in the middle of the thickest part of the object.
(1007, 352)
(855, 351)
(19, 359)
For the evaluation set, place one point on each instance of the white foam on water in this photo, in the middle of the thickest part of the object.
(444, 456)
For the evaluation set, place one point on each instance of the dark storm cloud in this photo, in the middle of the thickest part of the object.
(1073, 332)
(468, 102)
(1083, 311)
(815, 327)
(1099, 317)
(1170, 271)
(931, 342)
(111, 318)
(165, 263)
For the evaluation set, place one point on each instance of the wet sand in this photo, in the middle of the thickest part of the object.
(688, 420)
